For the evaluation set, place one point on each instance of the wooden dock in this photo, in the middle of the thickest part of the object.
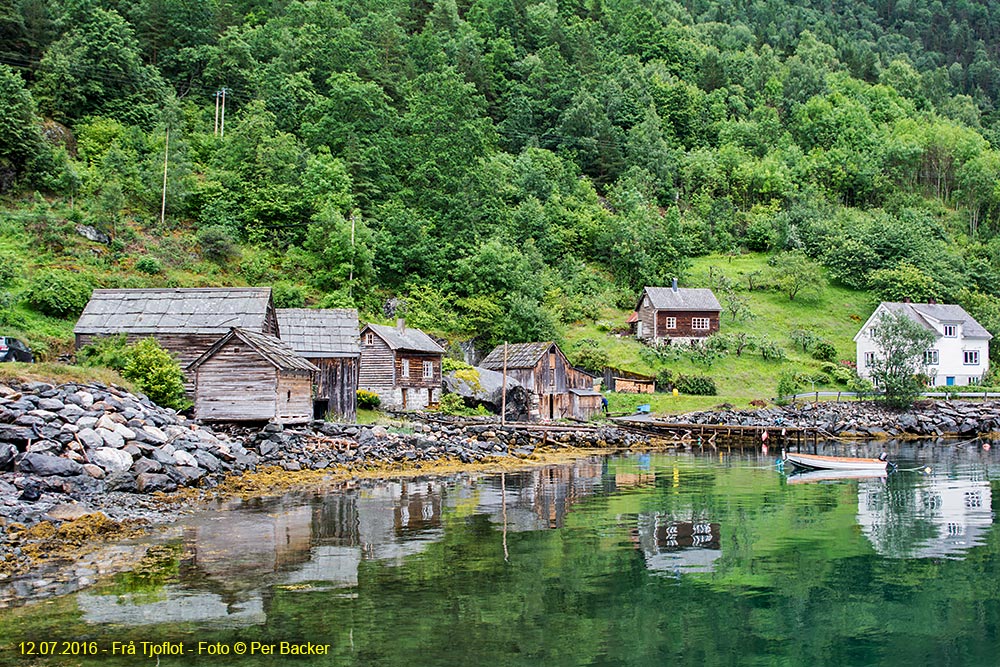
(724, 436)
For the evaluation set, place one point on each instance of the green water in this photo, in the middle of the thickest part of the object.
(627, 560)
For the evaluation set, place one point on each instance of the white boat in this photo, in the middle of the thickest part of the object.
(820, 462)
(801, 476)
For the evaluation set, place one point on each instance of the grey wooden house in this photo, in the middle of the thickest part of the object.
(402, 365)
(558, 390)
(186, 322)
(328, 338)
(247, 376)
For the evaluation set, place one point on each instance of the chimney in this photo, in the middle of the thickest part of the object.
(906, 299)
(931, 301)
(401, 325)
(675, 284)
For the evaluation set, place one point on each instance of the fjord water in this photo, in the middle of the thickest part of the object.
(638, 559)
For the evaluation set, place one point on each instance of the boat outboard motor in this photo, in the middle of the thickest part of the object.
(883, 456)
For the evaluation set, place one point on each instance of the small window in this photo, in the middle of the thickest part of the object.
(671, 322)
(369, 338)
(700, 323)
(931, 357)
(869, 358)
(950, 330)
(405, 372)
(971, 357)
(428, 370)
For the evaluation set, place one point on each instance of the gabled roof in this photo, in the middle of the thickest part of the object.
(275, 351)
(519, 355)
(924, 313)
(682, 298)
(320, 333)
(408, 339)
(209, 310)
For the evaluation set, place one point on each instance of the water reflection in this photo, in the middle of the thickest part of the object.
(675, 547)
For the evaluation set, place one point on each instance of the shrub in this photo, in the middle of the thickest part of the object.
(665, 379)
(451, 404)
(155, 373)
(771, 351)
(59, 293)
(448, 365)
(149, 265)
(824, 351)
(789, 384)
(696, 385)
(589, 356)
(287, 295)
(368, 400)
(217, 244)
(108, 351)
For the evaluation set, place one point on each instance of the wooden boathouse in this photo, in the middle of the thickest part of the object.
(558, 390)
(328, 338)
(247, 376)
(402, 365)
(186, 322)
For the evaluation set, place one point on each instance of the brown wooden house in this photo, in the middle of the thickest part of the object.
(402, 365)
(328, 338)
(627, 382)
(186, 322)
(250, 376)
(676, 314)
(558, 390)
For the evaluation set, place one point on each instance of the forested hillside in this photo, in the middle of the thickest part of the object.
(495, 169)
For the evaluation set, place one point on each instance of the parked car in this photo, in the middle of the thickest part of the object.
(11, 349)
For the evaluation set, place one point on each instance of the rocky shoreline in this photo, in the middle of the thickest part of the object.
(867, 419)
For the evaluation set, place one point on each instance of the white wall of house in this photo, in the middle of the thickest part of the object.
(951, 359)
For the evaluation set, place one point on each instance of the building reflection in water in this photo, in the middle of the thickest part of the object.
(937, 517)
(677, 547)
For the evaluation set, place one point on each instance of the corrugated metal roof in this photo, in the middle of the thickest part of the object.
(683, 298)
(519, 355)
(274, 350)
(160, 311)
(409, 339)
(943, 312)
(320, 333)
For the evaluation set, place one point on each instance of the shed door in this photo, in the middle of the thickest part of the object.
(950, 380)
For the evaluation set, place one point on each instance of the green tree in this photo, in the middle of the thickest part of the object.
(900, 344)
(22, 149)
(797, 275)
(155, 373)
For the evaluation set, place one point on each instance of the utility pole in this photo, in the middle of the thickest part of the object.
(350, 279)
(216, 132)
(503, 390)
(222, 128)
(166, 154)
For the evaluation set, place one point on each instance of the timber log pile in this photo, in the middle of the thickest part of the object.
(866, 419)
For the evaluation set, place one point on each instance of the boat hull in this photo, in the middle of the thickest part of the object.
(819, 462)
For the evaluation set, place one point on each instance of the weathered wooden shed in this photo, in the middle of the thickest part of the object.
(543, 370)
(402, 365)
(250, 376)
(627, 382)
(186, 322)
(328, 338)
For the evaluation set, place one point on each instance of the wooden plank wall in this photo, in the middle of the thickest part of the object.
(236, 384)
(377, 371)
(337, 383)
(684, 328)
(294, 400)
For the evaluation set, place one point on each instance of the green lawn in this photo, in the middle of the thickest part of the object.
(834, 314)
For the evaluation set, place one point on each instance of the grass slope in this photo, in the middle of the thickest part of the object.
(835, 314)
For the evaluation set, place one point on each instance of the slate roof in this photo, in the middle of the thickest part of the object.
(411, 339)
(274, 350)
(320, 333)
(944, 312)
(519, 355)
(206, 310)
(683, 298)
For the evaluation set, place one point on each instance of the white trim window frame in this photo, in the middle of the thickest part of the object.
(701, 323)
(671, 323)
(404, 371)
(951, 331)
(369, 338)
(428, 370)
(869, 359)
(932, 357)
(970, 357)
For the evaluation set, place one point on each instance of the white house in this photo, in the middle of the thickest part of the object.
(960, 353)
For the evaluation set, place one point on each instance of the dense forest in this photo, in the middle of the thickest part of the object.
(496, 168)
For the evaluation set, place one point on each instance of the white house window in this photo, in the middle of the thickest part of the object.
(950, 330)
(369, 338)
(671, 322)
(702, 323)
(971, 357)
(405, 372)
(931, 357)
(428, 370)
(869, 358)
